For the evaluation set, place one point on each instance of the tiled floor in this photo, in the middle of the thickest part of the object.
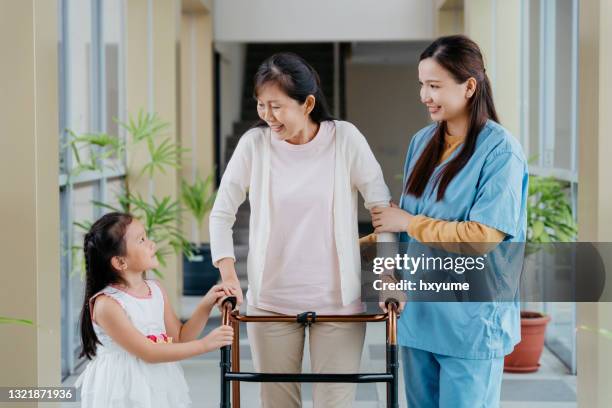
(550, 387)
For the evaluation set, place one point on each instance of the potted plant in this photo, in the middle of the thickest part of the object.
(199, 274)
(549, 219)
(94, 152)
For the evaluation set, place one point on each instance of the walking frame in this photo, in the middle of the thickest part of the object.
(230, 355)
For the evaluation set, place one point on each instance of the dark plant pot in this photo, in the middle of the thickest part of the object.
(526, 355)
(199, 274)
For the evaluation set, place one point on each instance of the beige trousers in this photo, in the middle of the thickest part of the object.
(279, 348)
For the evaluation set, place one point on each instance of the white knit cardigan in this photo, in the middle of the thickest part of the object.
(356, 169)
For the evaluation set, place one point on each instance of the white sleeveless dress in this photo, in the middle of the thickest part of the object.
(118, 379)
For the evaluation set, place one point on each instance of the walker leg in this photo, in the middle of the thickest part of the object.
(225, 384)
(392, 360)
(227, 306)
(392, 368)
(235, 364)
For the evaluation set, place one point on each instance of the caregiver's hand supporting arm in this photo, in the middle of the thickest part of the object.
(390, 219)
(426, 229)
(480, 238)
(229, 277)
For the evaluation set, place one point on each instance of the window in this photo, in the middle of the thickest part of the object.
(549, 86)
(549, 123)
(91, 48)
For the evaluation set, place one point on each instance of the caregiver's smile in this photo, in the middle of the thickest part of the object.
(433, 109)
(444, 97)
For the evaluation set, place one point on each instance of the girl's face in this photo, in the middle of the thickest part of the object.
(445, 99)
(286, 117)
(140, 251)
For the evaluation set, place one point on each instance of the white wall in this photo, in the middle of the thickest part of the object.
(382, 98)
(196, 111)
(595, 195)
(323, 20)
(232, 73)
(495, 26)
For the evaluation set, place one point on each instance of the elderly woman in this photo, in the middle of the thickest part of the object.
(302, 170)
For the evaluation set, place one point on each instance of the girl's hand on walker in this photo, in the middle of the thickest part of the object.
(390, 219)
(216, 293)
(219, 337)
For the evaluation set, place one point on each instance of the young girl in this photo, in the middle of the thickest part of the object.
(129, 326)
(465, 180)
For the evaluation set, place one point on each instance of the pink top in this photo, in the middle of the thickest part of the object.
(301, 269)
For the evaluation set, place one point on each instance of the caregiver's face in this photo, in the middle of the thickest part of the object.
(286, 117)
(444, 97)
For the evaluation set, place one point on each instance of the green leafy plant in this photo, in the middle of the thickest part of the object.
(10, 320)
(599, 331)
(549, 213)
(159, 214)
(198, 198)
(99, 147)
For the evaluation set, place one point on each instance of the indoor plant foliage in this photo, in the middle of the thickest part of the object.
(159, 214)
(549, 220)
(10, 320)
(549, 213)
(198, 198)
(199, 275)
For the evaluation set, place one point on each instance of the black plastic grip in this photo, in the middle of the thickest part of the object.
(392, 300)
(231, 299)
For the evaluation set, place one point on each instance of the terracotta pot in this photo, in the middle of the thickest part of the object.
(526, 355)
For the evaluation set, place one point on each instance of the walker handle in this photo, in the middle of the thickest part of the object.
(230, 299)
(226, 311)
(393, 301)
(392, 306)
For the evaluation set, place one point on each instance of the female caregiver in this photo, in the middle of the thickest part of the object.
(465, 181)
(302, 171)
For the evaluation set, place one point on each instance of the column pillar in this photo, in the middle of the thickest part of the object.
(29, 185)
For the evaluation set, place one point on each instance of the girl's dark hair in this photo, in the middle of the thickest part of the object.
(104, 240)
(297, 79)
(462, 58)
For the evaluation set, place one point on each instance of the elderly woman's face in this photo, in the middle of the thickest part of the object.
(286, 117)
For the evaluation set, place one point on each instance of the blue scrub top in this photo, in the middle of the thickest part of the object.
(490, 189)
